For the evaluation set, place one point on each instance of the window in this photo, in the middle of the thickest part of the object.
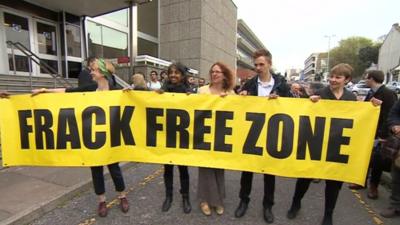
(147, 48)
(17, 29)
(106, 42)
(47, 40)
(21, 63)
(73, 40)
(120, 17)
(74, 68)
(52, 63)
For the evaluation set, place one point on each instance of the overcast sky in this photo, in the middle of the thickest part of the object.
(293, 29)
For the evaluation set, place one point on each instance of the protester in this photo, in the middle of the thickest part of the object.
(84, 77)
(163, 77)
(339, 76)
(138, 82)
(102, 73)
(192, 83)
(201, 82)
(264, 83)
(297, 90)
(211, 182)
(176, 83)
(394, 124)
(378, 95)
(153, 84)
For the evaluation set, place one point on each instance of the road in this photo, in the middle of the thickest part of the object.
(146, 194)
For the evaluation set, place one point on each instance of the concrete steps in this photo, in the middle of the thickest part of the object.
(19, 84)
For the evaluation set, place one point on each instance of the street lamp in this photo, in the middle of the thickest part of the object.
(329, 47)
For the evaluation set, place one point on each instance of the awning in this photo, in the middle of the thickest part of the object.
(83, 7)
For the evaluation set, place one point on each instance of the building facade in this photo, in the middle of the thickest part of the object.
(198, 33)
(316, 67)
(247, 43)
(64, 33)
(389, 54)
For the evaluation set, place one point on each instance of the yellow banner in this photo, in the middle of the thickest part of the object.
(285, 136)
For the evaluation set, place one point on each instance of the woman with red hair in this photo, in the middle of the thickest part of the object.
(211, 182)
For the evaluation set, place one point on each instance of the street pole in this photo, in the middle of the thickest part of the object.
(329, 48)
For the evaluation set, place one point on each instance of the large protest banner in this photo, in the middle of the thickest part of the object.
(284, 136)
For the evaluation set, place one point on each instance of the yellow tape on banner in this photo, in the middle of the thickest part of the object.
(286, 137)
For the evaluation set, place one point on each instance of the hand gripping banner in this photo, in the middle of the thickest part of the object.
(285, 136)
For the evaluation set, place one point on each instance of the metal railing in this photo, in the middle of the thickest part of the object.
(41, 63)
(160, 62)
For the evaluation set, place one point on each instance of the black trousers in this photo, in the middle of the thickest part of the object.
(332, 189)
(378, 165)
(98, 178)
(169, 179)
(246, 182)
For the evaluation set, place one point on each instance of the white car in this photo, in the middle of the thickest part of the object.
(360, 89)
(394, 86)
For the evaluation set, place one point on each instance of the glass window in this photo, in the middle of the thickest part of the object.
(94, 39)
(74, 68)
(120, 17)
(146, 47)
(17, 29)
(21, 63)
(106, 42)
(115, 43)
(47, 40)
(73, 40)
(52, 63)
(148, 18)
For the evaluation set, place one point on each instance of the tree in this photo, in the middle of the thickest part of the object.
(370, 54)
(356, 51)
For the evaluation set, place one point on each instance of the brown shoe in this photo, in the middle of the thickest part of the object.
(124, 205)
(205, 208)
(390, 212)
(372, 192)
(355, 187)
(219, 210)
(102, 209)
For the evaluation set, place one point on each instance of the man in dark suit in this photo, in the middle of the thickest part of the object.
(379, 95)
(268, 84)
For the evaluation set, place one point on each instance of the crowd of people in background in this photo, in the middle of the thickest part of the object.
(99, 76)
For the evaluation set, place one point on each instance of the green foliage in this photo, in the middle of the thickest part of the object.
(359, 52)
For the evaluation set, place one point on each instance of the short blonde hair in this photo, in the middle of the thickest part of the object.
(138, 80)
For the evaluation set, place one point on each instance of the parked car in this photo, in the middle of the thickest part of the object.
(360, 89)
(394, 86)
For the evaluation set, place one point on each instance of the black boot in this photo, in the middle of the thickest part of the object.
(186, 203)
(268, 215)
(241, 209)
(167, 203)
(327, 220)
(294, 209)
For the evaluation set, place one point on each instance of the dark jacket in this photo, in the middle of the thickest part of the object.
(326, 93)
(91, 87)
(176, 88)
(85, 78)
(280, 87)
(394, 115)
(388, 98)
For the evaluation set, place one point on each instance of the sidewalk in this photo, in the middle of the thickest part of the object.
(27, 193)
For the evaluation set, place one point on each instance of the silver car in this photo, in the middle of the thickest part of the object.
(360, 89)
